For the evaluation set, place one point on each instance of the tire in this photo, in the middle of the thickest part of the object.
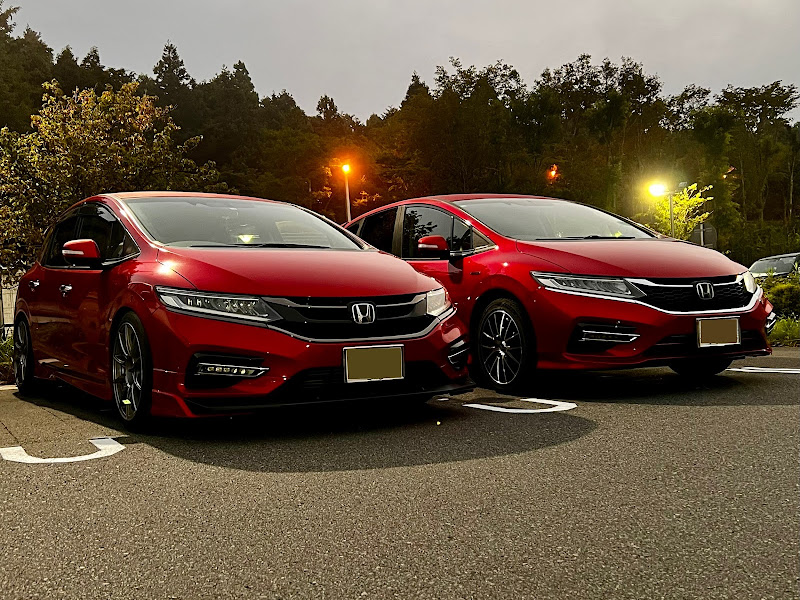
(701, 367)
(23, 361)
(503, 346)
(131, 371)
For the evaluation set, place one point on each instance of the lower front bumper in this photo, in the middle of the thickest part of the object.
(661, 337)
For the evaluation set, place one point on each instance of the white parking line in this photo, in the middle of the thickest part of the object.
(105, 447)
(764, 370)
(555, 406)
(4, 388)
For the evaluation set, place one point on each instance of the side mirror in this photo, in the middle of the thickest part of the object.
(433, 246)
(84, 253)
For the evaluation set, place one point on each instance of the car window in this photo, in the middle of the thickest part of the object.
(378, 229)
(462, 237)
(63, 232)
(353, 228)
(421, 221)
(99, 224)
(203, 221)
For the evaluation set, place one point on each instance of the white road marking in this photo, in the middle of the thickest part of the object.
(105, 447)
(764, 370)
(555, 406)
(4, 388)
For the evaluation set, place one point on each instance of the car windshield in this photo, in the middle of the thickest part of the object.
(530, 219)
(224, 222)
(779, 265)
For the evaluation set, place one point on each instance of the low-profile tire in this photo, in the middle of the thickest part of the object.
(131, 371)
(700, 367)
(23, 362)
(503, 347)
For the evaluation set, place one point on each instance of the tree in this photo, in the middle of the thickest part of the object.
(81, 145)
(689, 210)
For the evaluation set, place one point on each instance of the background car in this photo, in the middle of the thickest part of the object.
(182, 304)
(780, 265)
(554, 284)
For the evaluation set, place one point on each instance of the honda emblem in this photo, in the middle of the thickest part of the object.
(705, 291)
(363, 313)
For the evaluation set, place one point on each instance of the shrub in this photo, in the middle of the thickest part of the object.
(786, 332)
(6, 352)
(784, 293)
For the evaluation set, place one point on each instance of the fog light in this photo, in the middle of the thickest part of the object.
(230, 370)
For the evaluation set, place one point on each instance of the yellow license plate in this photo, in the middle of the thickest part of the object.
(718, 332)
(373, 363)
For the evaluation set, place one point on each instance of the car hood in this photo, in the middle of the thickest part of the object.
(295, 272)
(650, 258)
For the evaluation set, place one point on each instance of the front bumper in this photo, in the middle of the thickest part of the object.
(299, 371)
(657, 337)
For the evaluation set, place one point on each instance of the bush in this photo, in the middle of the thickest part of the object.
(6, 352)
(786, 332)
(784, 293)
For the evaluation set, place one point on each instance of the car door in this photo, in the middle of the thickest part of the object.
(47, 327)
(86, 293)
(460, 271)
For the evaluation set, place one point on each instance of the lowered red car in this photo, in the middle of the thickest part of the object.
(181, 304)
(559, 285)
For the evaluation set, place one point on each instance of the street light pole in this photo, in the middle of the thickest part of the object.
(671, 218)
(346, 169)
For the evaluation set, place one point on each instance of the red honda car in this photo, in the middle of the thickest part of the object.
(559, 285)
(179, 304)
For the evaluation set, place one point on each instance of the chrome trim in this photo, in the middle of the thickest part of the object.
(756, 297)
(622, 338)
(647, 282)
(289, 303)
(259, 371)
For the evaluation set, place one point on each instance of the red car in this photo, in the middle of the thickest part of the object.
(554, 284)
(179, 304)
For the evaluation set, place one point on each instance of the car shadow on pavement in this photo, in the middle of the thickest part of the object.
(661, 386)
(336, 437)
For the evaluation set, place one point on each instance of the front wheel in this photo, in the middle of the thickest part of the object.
(503, 346)
(23, 358)
(131, 371)
(701, 367)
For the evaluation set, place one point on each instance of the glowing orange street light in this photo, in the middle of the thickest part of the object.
(552, 174)
(346, 170)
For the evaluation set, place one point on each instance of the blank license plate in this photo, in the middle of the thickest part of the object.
(373, 363)
(718, 332)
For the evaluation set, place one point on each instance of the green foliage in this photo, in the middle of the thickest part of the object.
(689, 210)
(786, 332)
(6, 354)
(783, 293)
(81, 145)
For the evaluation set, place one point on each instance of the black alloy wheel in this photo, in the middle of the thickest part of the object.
(503, 346)
(131, 371)
(23, 358)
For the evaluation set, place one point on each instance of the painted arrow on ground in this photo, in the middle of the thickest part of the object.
(553, 406)
(106, 446)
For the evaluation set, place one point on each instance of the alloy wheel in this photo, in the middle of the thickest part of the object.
(21, 352)
(127, 371)
(501, 347)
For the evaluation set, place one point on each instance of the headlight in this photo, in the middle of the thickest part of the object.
(437, 302)
(230, 306)
(749, 282)
(593, 286)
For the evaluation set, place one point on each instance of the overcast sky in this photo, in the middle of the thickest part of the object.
(363, 52)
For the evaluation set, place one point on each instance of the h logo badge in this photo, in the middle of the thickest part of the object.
(705, 291)
(363, 313)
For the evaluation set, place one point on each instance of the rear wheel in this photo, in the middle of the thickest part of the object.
(503, 346)
(131, 371)
(698, 368)
(23, 358)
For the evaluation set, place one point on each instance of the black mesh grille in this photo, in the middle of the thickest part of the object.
(686, 299)
(332, 319)
(686, 345)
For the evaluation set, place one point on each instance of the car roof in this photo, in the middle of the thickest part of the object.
(156, 195)
(787, 255)
(451, 198)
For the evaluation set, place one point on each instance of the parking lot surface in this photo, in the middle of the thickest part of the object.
(650, 487)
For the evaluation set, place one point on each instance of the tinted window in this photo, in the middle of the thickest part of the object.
(378, 229)
(421, 221)
(210, 221)
(63, 232)
(100, 225)
(542, 219)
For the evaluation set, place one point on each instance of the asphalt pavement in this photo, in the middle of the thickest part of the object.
(650, 487)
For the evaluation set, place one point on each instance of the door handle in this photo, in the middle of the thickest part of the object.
(65, 289)
(33, 284)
